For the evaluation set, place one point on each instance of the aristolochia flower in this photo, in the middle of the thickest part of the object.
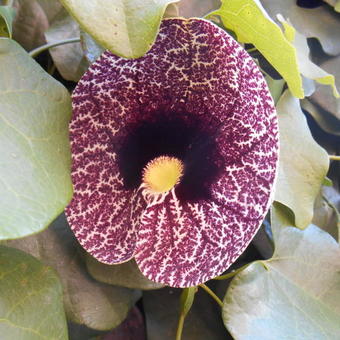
(174, 155)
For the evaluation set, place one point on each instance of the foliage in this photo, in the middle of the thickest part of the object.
(47, 280)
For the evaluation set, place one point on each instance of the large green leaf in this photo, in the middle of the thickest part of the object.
(30, 300)
(303, 163)
(127, 28)
(294, 295)
(321, 22)
(35, 181)
(126, 274)
(86, 301)
(252, 25)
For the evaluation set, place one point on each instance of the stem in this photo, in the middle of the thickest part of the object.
(180, 326)
(212, 294)
(45, 47)
(334, 158)
(231, 274)
(252, 50)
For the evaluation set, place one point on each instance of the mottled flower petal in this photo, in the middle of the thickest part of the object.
(196, 70)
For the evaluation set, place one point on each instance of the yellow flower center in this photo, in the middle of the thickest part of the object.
(162, 173)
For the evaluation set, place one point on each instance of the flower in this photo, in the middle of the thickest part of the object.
(174, 155)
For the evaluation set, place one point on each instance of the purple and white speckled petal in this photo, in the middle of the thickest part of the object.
(194, 68)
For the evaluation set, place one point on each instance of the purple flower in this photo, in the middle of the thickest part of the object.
(174, 155)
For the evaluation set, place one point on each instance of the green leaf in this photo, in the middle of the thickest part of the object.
(252, 25)
(7, 15)
(86, 301)
(30, 300)
(127, 28)
(126, 274)
(303, 163)
(320, 22)
(294, 295)
(35, 109)
(324, 119)
(306, 66)
(69, 58)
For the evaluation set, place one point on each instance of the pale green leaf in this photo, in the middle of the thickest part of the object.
(35, 109)
(252, 25)
(30, 300)
(86, 301)
(126, 274)
(320, 22)
(69, 58)
(7, 15)
(127, 28)
(306, 66)
(303, 163)
(294, 295)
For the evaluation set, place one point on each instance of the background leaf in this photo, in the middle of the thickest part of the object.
(7, 15)
(162, 312)
(30, 24)
(88, 302)
(30, 300)
(126, 274)
(35, 109)
(294, 295)
(252, 25)
(322, 97)
(321, 22)
(69, 58)
(126, 28)
(303, 163)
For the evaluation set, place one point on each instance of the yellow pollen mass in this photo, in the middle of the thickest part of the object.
(163, 173)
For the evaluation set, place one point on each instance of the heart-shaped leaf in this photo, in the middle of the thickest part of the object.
(35, 109)
(31, 298)
(303, 163)
(127, 28)
(294, 295)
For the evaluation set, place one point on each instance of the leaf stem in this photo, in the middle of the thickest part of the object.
(212, 294)
(334, 158)
(180, 326)
(45, 47)
(231, 274)
(253, 49)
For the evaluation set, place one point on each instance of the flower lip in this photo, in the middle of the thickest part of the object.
(186, 137)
